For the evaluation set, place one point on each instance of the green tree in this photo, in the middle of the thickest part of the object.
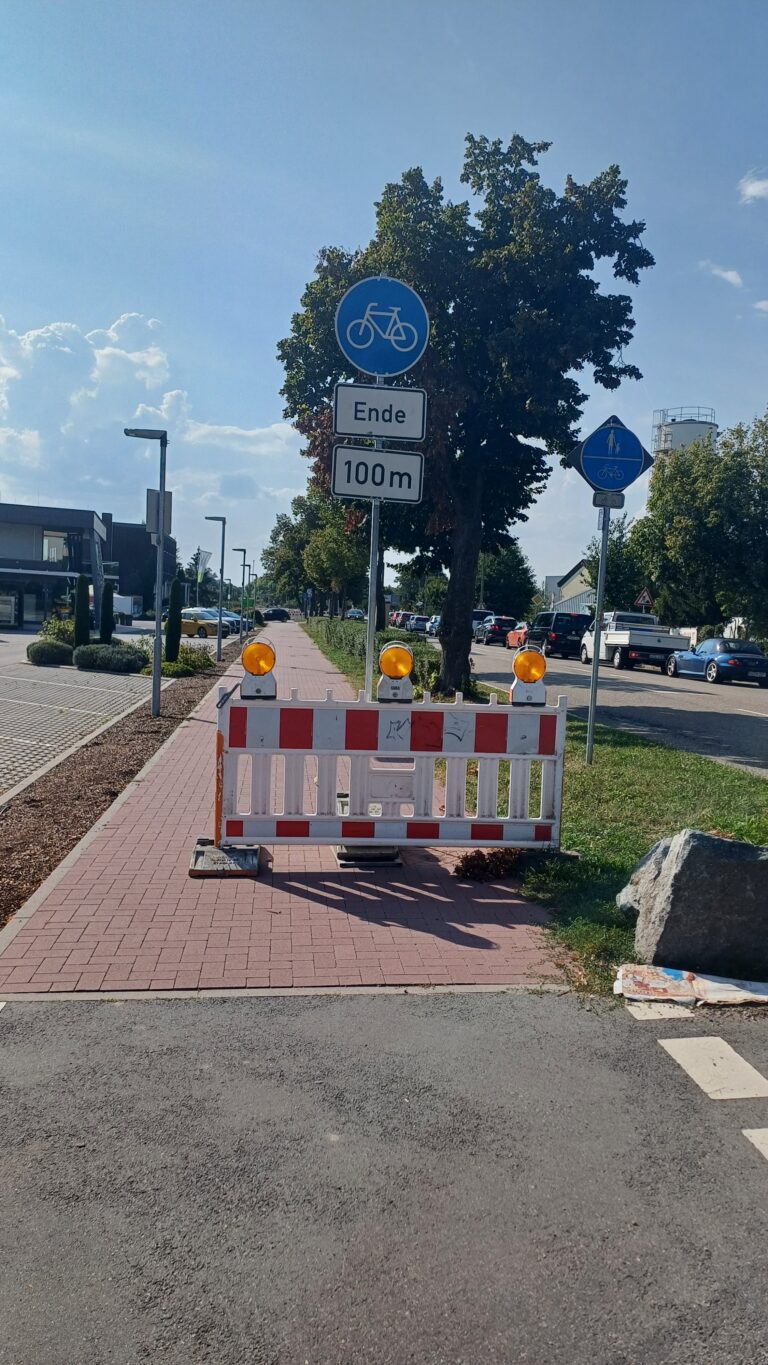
(322, 545)
(82, 612)
(624, 575)
(516, 313)
(107, 615)
(703, 541)
(505, 581)
(173, 624)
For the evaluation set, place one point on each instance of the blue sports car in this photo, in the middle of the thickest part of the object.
(721, 660)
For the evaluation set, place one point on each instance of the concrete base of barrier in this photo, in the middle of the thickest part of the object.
(367, 855)
(209, 861)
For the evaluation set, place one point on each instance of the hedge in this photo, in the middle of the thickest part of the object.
(108, 658)
(49, 653)
(350, 636)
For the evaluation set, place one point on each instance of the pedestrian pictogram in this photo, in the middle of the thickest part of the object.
(644, 600)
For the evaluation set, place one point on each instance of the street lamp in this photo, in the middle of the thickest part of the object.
(223, 521)
(238, 550)
(148, 434)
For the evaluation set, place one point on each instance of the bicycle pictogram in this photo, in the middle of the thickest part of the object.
(362, 332)
(610, 471)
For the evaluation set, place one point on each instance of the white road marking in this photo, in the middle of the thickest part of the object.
(717, 1068)
(2, 1004)
(759, 1139)
(658, 1009)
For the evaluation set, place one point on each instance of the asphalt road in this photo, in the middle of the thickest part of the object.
(728, 722)
(448, 1180)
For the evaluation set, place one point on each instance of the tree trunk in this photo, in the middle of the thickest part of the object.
(455, 632)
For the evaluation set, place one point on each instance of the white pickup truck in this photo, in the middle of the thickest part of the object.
(629, 638)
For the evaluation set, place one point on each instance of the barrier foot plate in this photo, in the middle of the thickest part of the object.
(368, 855)
(209, 861)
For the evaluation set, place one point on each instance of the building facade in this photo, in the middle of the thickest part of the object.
(43, 550)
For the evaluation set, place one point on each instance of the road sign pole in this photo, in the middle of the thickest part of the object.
(605, 512)
(373, 583)
(157, 654)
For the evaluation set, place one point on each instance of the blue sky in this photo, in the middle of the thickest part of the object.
(171, 167)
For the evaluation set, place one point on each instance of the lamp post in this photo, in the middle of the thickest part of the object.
(223, 521)
(145, 434)
(238, 550)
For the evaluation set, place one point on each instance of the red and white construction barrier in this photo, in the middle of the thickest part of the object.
(331, 772)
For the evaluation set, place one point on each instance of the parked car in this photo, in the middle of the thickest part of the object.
(558, 632)
(433, 625)
(276, 614)
(393, 615)
(203, 622)
(355, 614)
(478, 616)
(494, 630)
(721, 660)
(418, 624)
(519, 636)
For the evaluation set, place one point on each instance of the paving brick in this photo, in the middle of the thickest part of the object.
(126, 915)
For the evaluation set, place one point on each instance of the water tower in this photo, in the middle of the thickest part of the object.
(674, 428)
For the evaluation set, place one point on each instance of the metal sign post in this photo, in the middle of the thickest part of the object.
(382, 328)
(605, 524)
(609, 461)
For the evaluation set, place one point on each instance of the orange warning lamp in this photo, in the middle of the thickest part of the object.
(396, 664)
(258, 658)
(529, 665)
(396, 661)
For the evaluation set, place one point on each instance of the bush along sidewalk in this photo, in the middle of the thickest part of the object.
(116, 658)
(343, 642)
(49, 653)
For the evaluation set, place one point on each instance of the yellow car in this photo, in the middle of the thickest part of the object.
(201, 621)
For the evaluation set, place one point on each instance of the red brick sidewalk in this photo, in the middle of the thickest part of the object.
(122, 913)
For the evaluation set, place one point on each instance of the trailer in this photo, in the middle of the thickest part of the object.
(631, 638)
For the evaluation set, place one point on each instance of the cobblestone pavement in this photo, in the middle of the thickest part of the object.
(124, 914)
(44, 712)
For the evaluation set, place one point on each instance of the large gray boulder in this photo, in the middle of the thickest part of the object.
(702, 904)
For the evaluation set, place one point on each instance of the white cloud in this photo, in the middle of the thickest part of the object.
(65, 397)
(277, 439)
(730, 276)
(762, 305)
(752, 187)
(20, 447)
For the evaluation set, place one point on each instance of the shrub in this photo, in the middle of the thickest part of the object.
(49, 653)
(54, 629)
(107, 617)
(170, 670)
(82, 612)
(108, 658)
(173, 624)
(197, 658)
(349, 636)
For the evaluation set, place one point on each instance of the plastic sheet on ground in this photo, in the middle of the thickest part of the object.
(686, 988)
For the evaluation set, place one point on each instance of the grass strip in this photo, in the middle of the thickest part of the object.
(636, 792)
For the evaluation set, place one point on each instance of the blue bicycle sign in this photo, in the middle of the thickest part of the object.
(382, 326)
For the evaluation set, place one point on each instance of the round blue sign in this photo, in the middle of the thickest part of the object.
(382, 326)
(612, 458)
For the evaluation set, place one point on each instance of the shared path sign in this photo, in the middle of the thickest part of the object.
(611, 458)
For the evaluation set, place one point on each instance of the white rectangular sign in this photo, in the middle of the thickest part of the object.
(392, 475)
(373, 410)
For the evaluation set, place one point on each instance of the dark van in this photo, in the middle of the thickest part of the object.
(558, 632)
